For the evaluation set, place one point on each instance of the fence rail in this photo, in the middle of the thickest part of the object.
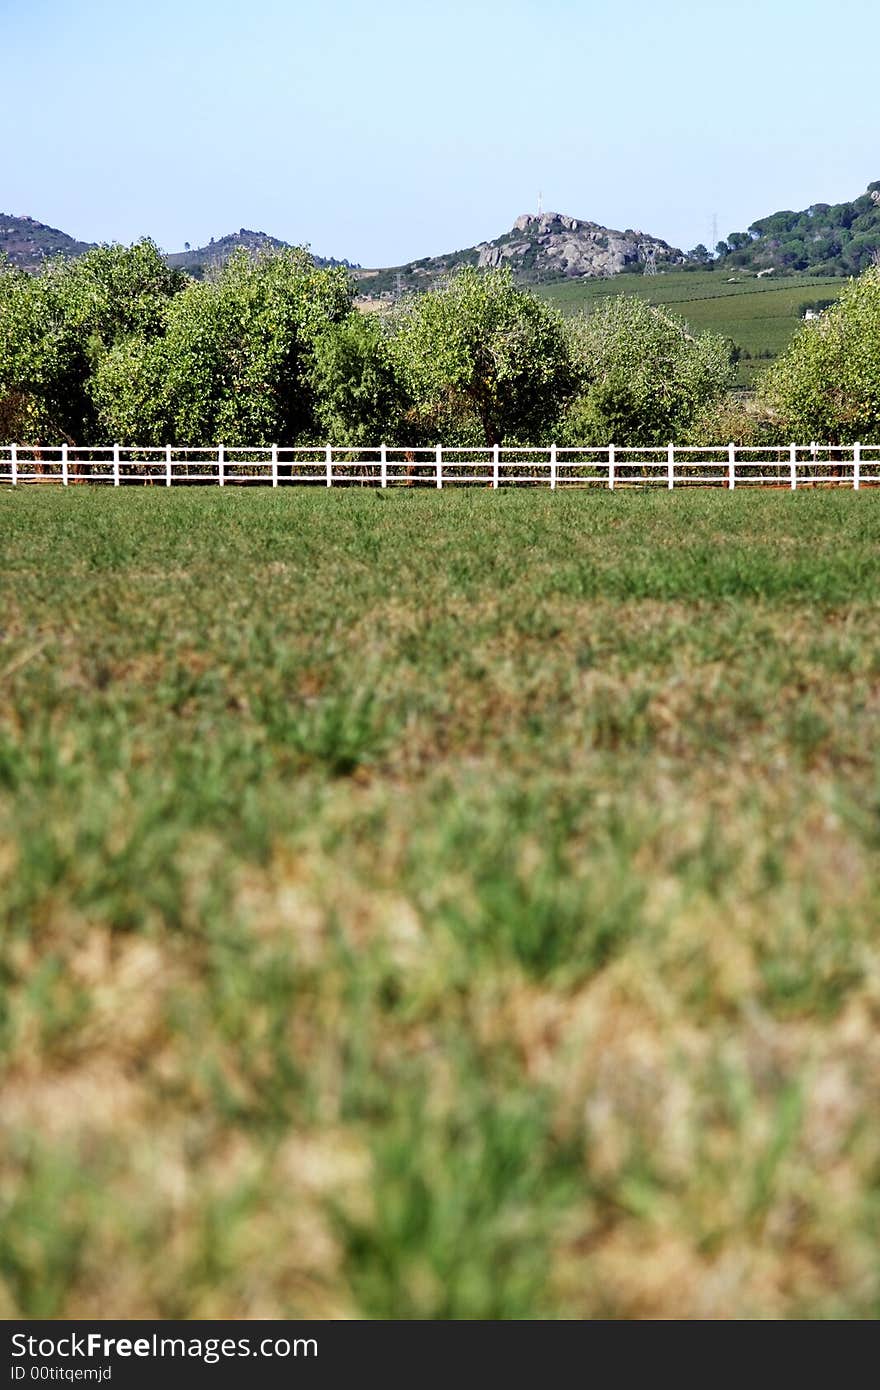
(609, 466)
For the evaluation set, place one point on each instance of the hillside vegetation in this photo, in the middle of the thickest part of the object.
(824, 239)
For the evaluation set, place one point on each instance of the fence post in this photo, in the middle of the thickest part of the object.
(167, 465)
(220, 474)
(611, 467)
(670, 466)
(116, 465)
(64, 465)
(14, 457)
(439, 465)
(731, 465)
(274, 465)
(329, 463)
(792, 458)
(552, 467)
(383, 466)
(496, 453)
(857, 465)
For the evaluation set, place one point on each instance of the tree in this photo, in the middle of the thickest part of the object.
(827, 385)
(130, 392)
(236, 361)
(358, 397)
(822, 239)
(481, 360)
(56, 327)
(699, 254)
(643, 376)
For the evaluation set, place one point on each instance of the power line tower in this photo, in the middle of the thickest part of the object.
(540, 204)
(650, 255)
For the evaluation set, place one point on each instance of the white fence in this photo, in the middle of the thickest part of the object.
(670, 466)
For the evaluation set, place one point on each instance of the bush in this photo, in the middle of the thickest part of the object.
(643, 377)
(56, 327)
(827, 385)
(482, 360)
(734, 420)
(237, 358)
(359, 399)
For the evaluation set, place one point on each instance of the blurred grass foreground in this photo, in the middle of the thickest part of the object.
(450, 905)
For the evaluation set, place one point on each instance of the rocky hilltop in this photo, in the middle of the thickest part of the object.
(551, 246)
(540, 246)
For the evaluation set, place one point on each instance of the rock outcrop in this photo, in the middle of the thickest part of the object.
(551, 246)
(540, 246)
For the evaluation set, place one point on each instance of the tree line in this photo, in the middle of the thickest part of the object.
(115, 346)
(825, 239)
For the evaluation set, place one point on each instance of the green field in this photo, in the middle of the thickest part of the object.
(443, 905)
(759, 315)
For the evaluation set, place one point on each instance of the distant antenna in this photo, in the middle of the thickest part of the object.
(398, 286)
(540, 203)
(650, 255)
(714, 232)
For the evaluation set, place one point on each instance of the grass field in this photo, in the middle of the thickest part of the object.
(439, 905)
(759, 315)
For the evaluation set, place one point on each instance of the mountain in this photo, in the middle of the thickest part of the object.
(197, 261)
(28, 243)
(539, 247)
(824, 239)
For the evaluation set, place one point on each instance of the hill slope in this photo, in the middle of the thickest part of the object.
(28, 243)
(539, 247)
(824, 239)
(196, 261)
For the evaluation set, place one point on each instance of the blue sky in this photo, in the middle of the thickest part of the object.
(388, 131)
